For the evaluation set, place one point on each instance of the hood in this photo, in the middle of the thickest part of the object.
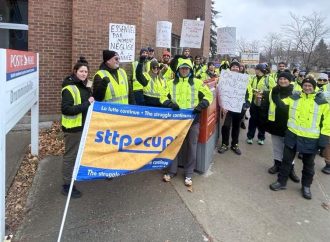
(184, 62)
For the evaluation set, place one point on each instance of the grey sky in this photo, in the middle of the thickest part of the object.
(255, 18)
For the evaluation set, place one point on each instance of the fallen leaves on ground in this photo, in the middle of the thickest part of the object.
(50, 143)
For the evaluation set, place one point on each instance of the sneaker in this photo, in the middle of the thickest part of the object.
(167, 177)
(236, 150)
(261, 142)
(74, 194)
(188, 181)
(249, 141)
(223, 149)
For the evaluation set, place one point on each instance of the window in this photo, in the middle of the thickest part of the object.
(176, 49)
(14, 24)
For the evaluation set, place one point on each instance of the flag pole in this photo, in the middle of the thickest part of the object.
(76, 167)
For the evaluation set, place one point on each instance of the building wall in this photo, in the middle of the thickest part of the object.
(63, 30)
(50, 31)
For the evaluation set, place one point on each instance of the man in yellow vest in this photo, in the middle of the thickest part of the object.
(110, 81)
(187, 92)
(308, 130)
(280, 68)
(167, 72)
(137, 87)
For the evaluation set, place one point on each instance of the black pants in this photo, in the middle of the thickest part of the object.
(139, 98)
(308, 167)
(258, 117)
(232, 120)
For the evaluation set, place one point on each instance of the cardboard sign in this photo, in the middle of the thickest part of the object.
(191, 33)
(226, 41)
(163, 34)
(232, 89)
(122, 40)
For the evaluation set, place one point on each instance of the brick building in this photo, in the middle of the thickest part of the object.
(63, 30)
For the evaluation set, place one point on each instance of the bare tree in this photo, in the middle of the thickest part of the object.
(305, 32)
(248, 46)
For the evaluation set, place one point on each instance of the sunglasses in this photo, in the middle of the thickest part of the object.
(322, 80)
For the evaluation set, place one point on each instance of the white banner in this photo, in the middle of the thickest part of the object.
(232, 90)
(250, 58)
(122, 40)
(163, 34)
(226, 41)
(191, 33)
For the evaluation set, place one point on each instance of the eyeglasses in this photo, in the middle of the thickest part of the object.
(322, 80)
(155, 67)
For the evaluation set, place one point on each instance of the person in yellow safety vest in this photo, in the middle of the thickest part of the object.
(324, 87)
(151, 57)
(308, 131)
(186, 54)
(276, 124)
(210, 72)
(168, 74)
(260, 84)
(110, 81)
(281, 66)
(152, 82)
(232, 120)
(186, 92)
(137, 87)
(198, 67)
(76, 98)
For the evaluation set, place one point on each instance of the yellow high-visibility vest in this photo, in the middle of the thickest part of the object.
(72, 121)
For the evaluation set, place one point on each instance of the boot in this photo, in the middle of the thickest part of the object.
(243, 125)
(276, 186)
(306, 192)
(293, 175)
(326, 169)
(275, 168)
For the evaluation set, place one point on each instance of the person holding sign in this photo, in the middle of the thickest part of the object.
(110, 82)
(137, 87)
(260, 84)
(186, 92)
(76, 98)
(233, 119)
(152, 82)
(308, 130)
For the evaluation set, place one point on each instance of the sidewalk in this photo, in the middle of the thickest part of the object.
(231, 202)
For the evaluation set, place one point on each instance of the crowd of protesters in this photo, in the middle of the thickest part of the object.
(292, 107)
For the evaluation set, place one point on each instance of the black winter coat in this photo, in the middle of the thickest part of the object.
(279, 126)
(68, 107)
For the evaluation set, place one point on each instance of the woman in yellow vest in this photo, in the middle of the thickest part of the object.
(276, 124)
(152, 82)
(76, 98)
(308, 130)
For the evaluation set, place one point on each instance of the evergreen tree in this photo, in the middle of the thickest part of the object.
(321, 55)
(213, 33)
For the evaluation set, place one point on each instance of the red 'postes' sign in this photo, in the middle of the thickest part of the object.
(20, 63)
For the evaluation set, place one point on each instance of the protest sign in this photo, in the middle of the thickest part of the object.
(122, 40)
(250, 58)
(121, 139)
(226, 41)
(191, 33)
(232, 90)
(163, 34)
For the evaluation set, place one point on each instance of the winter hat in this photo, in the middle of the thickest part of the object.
(286, 75)
(309, 80)
(143, 50)
(234, 63)
(150, 49)
(154, 64)
(262, 68)
(108, 54)
(323, 76)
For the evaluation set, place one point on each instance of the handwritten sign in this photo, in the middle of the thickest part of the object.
(232, 89)
(163, 34)
(226, 41)
(250, 58)
(122, 40)
(191, 33)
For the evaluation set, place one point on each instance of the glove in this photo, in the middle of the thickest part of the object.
(323, 141)
(142, 58)
(174, 106)
(199, 76)
(197, 109)
(246, 105)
